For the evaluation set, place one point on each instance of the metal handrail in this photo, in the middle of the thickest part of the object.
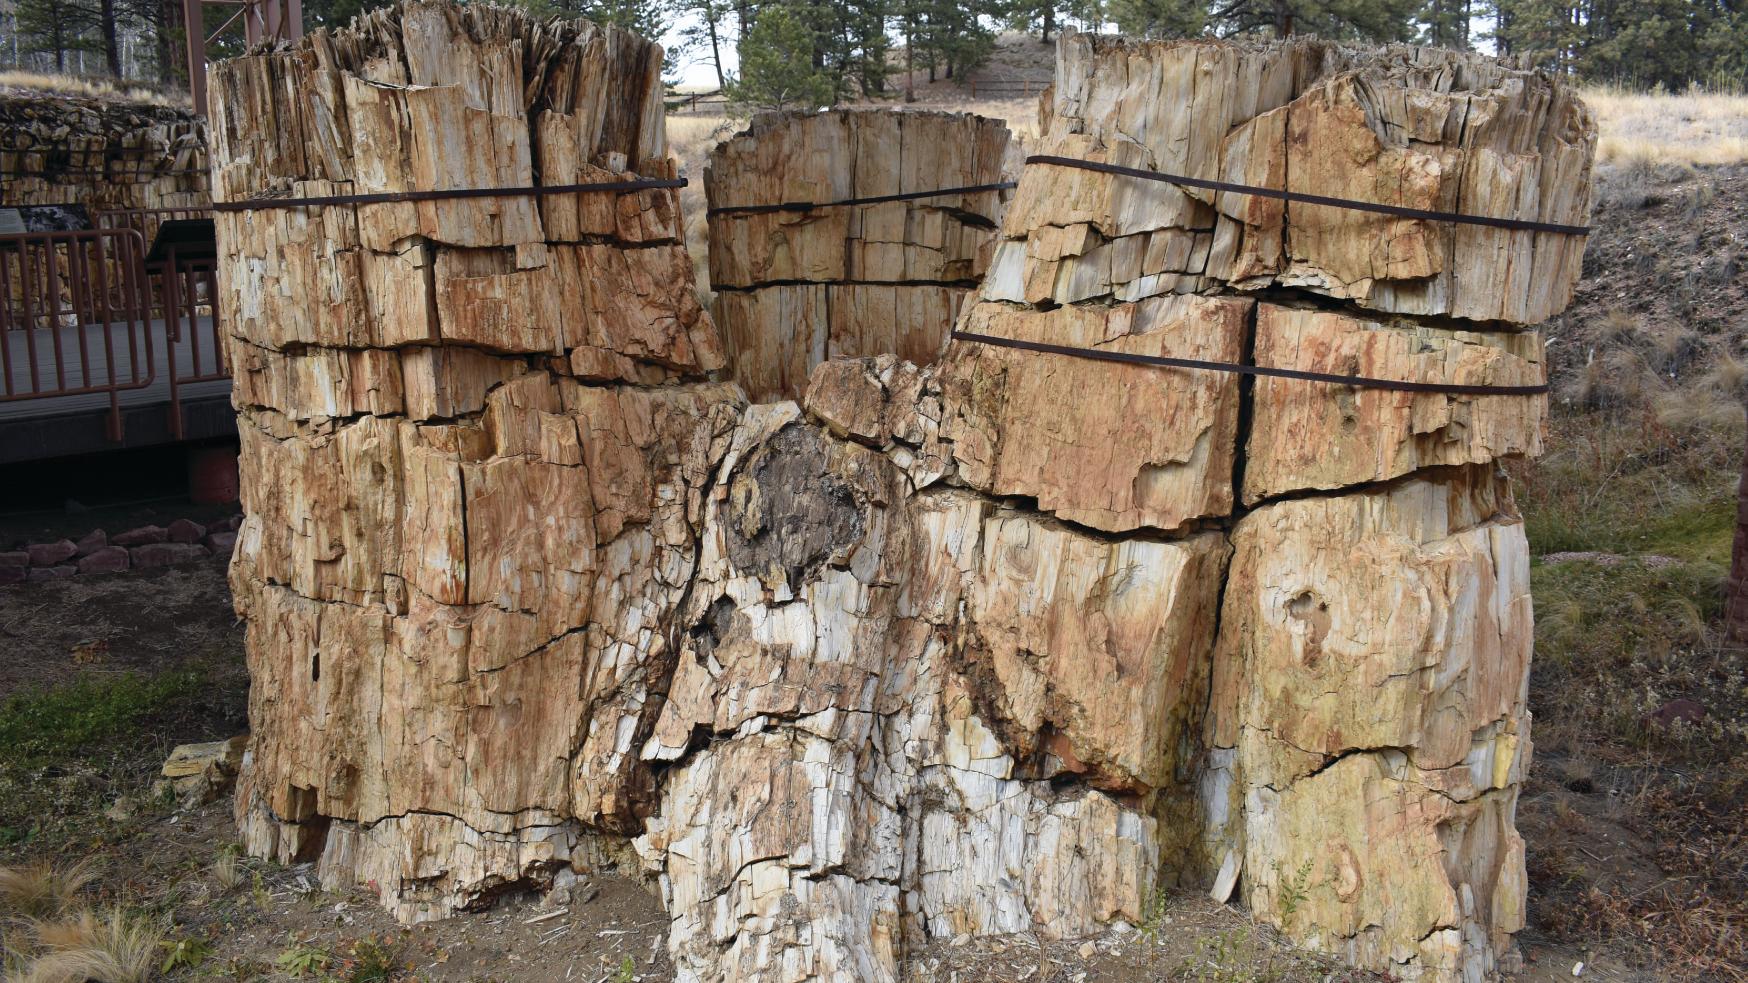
(53, 284)
(186, 281)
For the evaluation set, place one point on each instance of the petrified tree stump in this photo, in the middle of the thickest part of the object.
(796, 286)
(1006, 642)
(475, 433)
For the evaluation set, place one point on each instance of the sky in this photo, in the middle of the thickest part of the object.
(695, 66)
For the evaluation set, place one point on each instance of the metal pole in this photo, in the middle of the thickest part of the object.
(194, 28)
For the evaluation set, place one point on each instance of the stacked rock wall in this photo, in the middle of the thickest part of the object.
(1007, 642)
(796, 286)
(104, 153)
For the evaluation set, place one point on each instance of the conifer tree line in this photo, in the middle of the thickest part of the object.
(813, 52)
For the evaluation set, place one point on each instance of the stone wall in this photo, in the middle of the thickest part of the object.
(104, 153)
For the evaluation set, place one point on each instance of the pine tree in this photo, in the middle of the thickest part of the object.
(1637, 43)
(707, 29)
(1160, 18)
(1445, 23)
(58, 28)
(777, 63)
(1042, 15)
(945, 38)
(1361, 20)
(1358, 20)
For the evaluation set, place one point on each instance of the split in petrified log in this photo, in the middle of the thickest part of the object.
(797, 286)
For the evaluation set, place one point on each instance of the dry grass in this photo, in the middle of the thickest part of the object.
(69, 85)
(114, 948)
(228, 870)
(1694, 127)
(42, 890)
(50, 939)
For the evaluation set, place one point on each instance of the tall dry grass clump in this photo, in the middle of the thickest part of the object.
(117, 947)
(49, 937)
(43, 890)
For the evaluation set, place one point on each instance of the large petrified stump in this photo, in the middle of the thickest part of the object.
(798, 285)
(1006, 642)
(476, 433)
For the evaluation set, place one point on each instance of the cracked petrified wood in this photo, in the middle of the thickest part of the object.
(797, 286)
(1423, 128)
(475, 435)
(1005, 642)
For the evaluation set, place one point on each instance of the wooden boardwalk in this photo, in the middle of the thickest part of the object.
(39, 419)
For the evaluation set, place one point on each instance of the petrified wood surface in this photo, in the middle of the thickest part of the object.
(1006, 642)
(797, 286)
(1418, 127)
(1372, 672)
(476, 434)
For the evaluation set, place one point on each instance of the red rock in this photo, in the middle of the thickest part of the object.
(166, 554)
(221, 543)
(109, 559)
(142, 536)
(91, 542)
(1686, 711)
(186, 531)
(51, 573)
(14, 559)
(49, 554)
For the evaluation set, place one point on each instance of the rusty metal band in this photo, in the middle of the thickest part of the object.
(808, 206)
(1165, 362)
(1398, 211)
(393, 197)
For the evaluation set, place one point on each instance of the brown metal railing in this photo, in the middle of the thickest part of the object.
(67, 295)
(189, 285)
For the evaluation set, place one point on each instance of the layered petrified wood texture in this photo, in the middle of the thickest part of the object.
(1422, 128)
(476, 433)
(796, 286)
(1004, 642)
(1359, 766)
